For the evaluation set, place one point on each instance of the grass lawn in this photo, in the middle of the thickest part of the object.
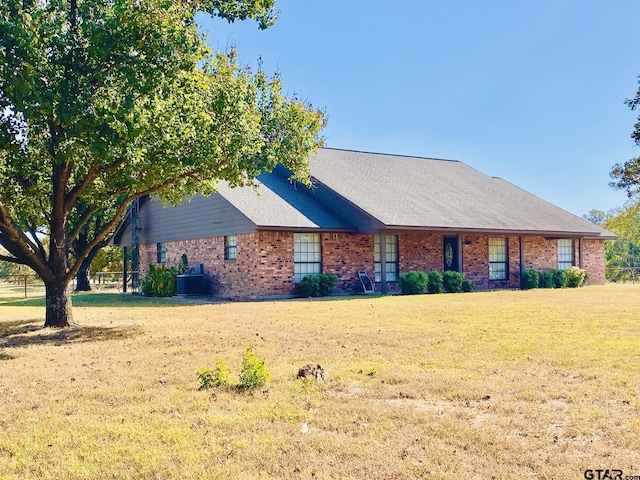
(510, 385)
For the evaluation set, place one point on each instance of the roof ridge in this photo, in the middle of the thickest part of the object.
(391, 154)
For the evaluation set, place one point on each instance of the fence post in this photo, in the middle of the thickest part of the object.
(25, 286)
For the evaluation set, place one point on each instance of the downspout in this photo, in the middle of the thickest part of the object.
(580, 253)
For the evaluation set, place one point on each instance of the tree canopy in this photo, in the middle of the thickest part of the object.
(106, 101)
(626, 176)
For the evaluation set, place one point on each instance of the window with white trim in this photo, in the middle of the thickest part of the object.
(161, 253)
(498, 259)
(230, 247)
(307, 255)
(391, 258)
(565, 253)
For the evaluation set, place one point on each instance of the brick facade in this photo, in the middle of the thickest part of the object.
(264, 263)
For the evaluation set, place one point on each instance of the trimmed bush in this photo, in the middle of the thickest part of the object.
(530, 279)
(317, 285)
(545, 279)
(468, 285)
(412, 283)
(452, 281)
(434, 282)
(558, 278)
(159, 282)
(574, 277)
(309, 286)
(327, 284)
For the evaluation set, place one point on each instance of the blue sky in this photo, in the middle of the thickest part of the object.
(532, 92)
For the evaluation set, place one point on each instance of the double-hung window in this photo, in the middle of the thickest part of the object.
(307, 255)
(161, 253)
(230, 247)
(565, 253)
(498, 259)
(391, 258)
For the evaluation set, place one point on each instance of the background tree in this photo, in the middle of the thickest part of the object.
(103, 102)
(626, 176)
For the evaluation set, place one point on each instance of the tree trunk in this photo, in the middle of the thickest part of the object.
(58, 310)
(82, 277)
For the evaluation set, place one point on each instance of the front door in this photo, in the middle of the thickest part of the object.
(451, 253)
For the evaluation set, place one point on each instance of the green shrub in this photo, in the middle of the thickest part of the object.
(321, 285)
(558, 278)
(530, 279)
(452, 281)
(159, 282)
(309, 286)
(434, 282)
(574, 277)
(412, 283)
(545, 279)
(468, 285)
(254, 372)
(214, 378)
(327, 284)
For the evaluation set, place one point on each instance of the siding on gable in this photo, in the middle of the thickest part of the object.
(202, 217)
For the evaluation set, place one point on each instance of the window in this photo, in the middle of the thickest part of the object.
(230, 247)
(498, 259)
(307, 257)
(565, 253)
(161, 254)
(391, 257)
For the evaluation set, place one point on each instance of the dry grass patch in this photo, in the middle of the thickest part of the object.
(537, 384)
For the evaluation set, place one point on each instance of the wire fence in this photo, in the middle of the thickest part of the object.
(30, 285)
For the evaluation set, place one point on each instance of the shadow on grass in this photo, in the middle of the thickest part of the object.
(31, 332)
(110, 300)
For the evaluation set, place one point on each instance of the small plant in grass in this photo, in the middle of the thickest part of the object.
(452, 281)
(413, 283)
(434, 282)
(254, 372)
(372, 372)
(468, 285)
(574, 277)
(530, 279)
(214, 378)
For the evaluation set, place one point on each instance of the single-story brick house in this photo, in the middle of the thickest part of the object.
(382, 214)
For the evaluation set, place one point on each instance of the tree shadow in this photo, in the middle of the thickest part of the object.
(31, 332)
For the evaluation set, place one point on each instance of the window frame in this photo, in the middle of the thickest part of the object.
(307, 255)
(391, 256)
(230, 247)
(499, 257)
(161, 252)
(564, 252)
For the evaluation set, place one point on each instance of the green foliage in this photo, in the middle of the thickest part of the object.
(254, 372)
(217, 377)
(102, 103)
(309, 286)
(434, 282)
(317, 285)
(452, 281)
(468, 285)
(627, 176)
(574, 277)
(414, 282)
(327, 284)
(530, 279)
(159, 282)
(558, 278)
(545, 279)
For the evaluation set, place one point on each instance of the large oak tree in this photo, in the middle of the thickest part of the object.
(626, 176)
(105, 101)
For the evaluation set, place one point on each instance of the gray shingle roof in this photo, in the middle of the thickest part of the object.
(276, 203)
(407, 192)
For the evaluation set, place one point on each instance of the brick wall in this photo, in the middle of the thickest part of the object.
(264, 261)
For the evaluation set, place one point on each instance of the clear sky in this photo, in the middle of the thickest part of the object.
(530, 91)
